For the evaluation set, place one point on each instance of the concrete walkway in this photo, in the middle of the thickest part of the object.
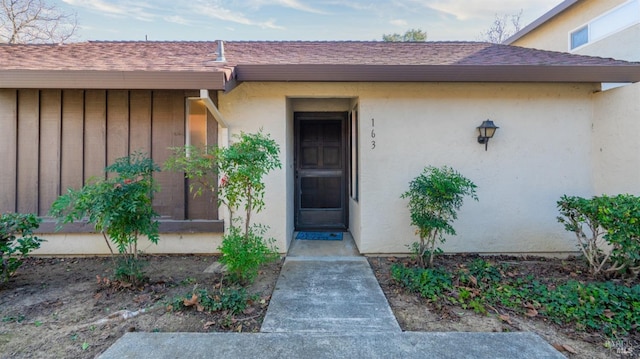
(328, 295)
(328, 304)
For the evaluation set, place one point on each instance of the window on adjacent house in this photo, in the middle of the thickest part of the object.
(579, 37)
(615, 20)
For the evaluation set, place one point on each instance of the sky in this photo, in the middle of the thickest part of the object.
(197, 20)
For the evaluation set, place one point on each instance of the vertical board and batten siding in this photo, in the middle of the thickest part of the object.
(72, 140)
(50, 143)
(95, 128)
(28, 155)
(52, 140)
(117, 125)
(8, 148)
(168, 130)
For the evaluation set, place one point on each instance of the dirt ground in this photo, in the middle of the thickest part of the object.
(415, 314)
(57, 307)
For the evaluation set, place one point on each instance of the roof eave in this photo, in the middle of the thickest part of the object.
(439, 73)
(96, 79)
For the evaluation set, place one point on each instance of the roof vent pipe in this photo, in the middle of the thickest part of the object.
(220, 57)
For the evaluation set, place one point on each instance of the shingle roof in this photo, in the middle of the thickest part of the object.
(399, 53)
(110, 56)
(313, 61)
(200, 56)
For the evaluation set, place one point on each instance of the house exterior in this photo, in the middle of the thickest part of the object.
(355, 121)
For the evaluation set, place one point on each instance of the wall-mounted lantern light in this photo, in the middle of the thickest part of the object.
(486, 130)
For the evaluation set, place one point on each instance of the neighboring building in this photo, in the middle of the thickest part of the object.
(605, 28)
(355, 121)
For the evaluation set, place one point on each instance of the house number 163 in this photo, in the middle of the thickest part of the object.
(373, 134)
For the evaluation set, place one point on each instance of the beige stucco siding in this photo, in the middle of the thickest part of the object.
(536, 156)
(79, 244)
(554, 34)
(541, 151)
(616, 145)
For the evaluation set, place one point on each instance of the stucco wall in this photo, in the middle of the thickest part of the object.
(616, 146)
(541, 151)
(79, 244)
(554, 35)
(263, 108)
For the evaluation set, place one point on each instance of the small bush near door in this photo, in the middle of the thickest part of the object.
(435, 197)
(241, 169)
(243, 166)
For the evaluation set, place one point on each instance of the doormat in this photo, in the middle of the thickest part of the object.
(320, 236)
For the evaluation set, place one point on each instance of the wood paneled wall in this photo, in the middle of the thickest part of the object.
(51, 140)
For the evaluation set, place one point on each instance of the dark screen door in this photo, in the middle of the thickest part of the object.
(320, 170)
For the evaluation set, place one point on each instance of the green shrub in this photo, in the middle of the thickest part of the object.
(605, 221)
(611, 308)
(232, 299)
(430, 283)
(435, 197)
(17, 240)
(607, 307)
(241, 168)
(484, 271)
(244, 254)
(120, 207)
(199, 165)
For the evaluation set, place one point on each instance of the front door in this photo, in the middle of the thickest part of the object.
(320, 160)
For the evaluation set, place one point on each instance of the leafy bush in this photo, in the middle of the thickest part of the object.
(612, 222)
(435, 196)
(241, 167)
(244, 254)
(605, 306)
(232, 299)
(484, 271)
(199, 165)
(120, 207)
(17, 240)
(431, 283)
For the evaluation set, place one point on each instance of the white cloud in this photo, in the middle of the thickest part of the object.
(176, 19)
(139, 10)
(221, 13)
(293, 4)
(109, 8)
(473, 9)
(399, 22)
(353, 5)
